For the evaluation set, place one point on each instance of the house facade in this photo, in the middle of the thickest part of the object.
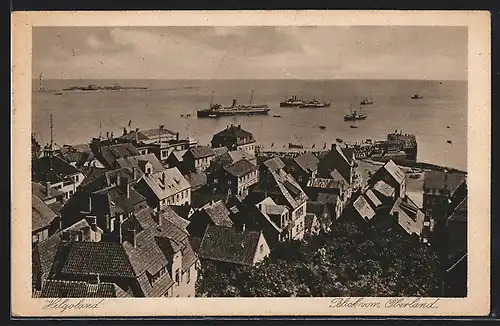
(198, 158)
(340, 159)
(303, 167)
(234, 138)
(165, 188)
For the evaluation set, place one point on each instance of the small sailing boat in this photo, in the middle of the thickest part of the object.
(324, 146)
(353, 116)
(449, 141)
(276, 116)
(322, 127)
(448, 127)
(416, 97)
(314, 145)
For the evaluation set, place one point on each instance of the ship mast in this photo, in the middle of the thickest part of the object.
(51, 133)
(251, 97)
(212, 99)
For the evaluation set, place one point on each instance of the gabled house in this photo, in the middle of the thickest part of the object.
(215, 214)
(228, 246)
(44, 221)
(234, 137)
(107, 208)
(141, 164)
(317, 186)
(110, 178)
(57, 174)
(44, 253)
(198, 158)
(154, 259)
(341, 159)
(303, 167)
(408, 216)
(326, 207)
(109, 154)
(392, 175)
(169, 187)
(272, 219)
(237, 178)
(284, 190)
(175, 159)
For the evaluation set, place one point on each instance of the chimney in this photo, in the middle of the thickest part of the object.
(107, 134)
(111, 135)
(243, 228)
(158, 216)
(163, 178)
(177, 136)
(98, 279)
(118, 180)
(234, 102)
(239, 126)
(124, 131)
(93, 223)
(134, 173)
(128, 190)
(47, 189)
(136, 135)
(132, 237)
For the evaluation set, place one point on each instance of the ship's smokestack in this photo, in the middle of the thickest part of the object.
(234, 102)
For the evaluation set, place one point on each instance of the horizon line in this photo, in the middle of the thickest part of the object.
(404, 79)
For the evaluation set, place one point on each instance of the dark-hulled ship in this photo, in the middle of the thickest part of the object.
(293, 101)
(355, 115)
(314, 104)
(217, 110)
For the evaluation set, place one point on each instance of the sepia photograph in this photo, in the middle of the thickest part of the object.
(252, 161)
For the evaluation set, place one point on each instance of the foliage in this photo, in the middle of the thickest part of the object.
(348, 261)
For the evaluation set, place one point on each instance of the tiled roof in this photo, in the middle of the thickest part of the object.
(80, 289)
(327, 198)
(40, 190)
(410, 218)
(274, 164)
(156, 289)
(42, 215)
(308, 162)
(118, 196)
(134, 162)
(201, 151)
(107, 179)
(174, 183)
(241, 168)
(266, 203)
(46, 253)
(52, 169)
(219, 214)
(373, 198)
(113, 152)
(394, 171)
(335, 175)
(233, 132)
(363, 208)
(239, 154)
(228, 245)
(107, 259)
(325, 183)
(276, 209)
(171, 215)
(220, 150)
(155, 132)
(384, 189)
(444, 180)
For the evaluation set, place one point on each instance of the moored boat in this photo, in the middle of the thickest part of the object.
(315, 104)
(293, 101)
(353, 116)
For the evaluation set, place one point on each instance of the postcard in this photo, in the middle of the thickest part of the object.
(251, 163)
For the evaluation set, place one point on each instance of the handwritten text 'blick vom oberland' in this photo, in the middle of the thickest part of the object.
(67, 304)
(384, 303)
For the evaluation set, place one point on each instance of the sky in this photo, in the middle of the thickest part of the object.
(329, 52)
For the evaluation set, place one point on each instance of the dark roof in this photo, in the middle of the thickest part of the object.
(449, 181)
(80, 289)
(182, 211)
(135, 162)
(327, 198)
(233, 132)
(131, 136)
(240, 168)
(201, 151)
(91, 173)
(196, 179)
(171, 215)
(52, 169)
(118, 196)
(113, 152)
(228, 245)
(348, 153)
(308, 162)
(394, 171)
(97, 258)
(219, 214)
(274, 164)
(42, 216)
(46, 252)
(155, 132)
(107, 179)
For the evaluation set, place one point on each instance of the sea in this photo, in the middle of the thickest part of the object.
(439, 119)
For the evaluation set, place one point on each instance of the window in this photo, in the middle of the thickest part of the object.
(188, 275)
(177, 197)
(261, 248)
(76, 178)
(71, 192)
(177, 277)
(182, 195)
(112, 225)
